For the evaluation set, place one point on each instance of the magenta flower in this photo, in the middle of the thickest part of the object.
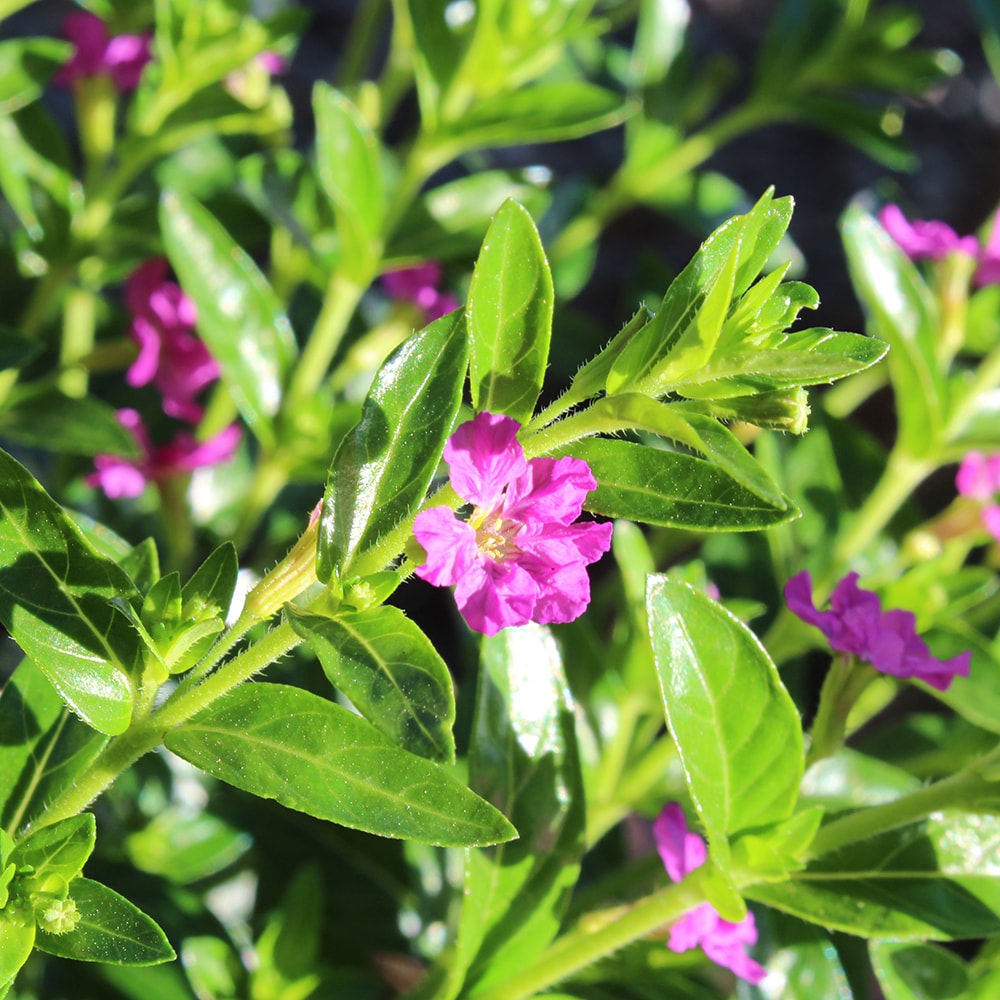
(419, 285)
(979, 478)
(519, 557)
(933, 240)
(724, 942)
(122, 57)
(123, 477)
(887, 640)
(170, 354)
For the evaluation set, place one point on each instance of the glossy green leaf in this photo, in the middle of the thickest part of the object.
(309, 754)
(509, 315)
(43, 746)
(239, 316)
(16, 944)
(57, 853)
(901, 311)
(977, 696)
(672, 489)
(111, 930)
(545, 112)
(736, 729)
(26, 64)
(693, 430)
(64, 425)
(209, 591)
(937, 879)
(382, 469)
(909, 971)
(850, 780)
(350, 172)
(523, 760)
(54, 600)
(391, 672)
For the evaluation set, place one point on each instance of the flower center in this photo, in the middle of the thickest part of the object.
(495, 535)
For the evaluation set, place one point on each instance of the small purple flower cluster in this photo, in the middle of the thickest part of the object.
(120, 57)
(419, 285)
(979, 478)
(933, 240)
(723, 941)
(887, 640)
(177, 363)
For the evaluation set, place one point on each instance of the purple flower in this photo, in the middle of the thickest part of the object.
(419, 285)
(122, 57)
(887, 640)
(519, 557)
(724, 942)
(933, 240)
(979, 478)
(123, 477)
(170, 354)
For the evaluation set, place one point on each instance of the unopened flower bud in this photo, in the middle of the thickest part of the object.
(58, 916)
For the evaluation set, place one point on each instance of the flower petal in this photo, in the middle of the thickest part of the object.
(450, 545)
(483, 456)
(550, 490)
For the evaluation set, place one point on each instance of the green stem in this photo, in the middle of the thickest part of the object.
(123, 751)
(844, 682)
(962, 789)
(341, 299)
(79, 321)
(902, 475)
(588, 943)
(364, 32)
(44, 297)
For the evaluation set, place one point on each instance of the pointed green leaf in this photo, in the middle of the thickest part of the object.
(309, 754)
(672, 489)
(209, 591)
(26, 64)
(939, 879)
(911, 971)
(384, 466)
(391, 672)
(43, 746)
(239, 316)
(54, 600)
(16, 944)
(510, 316)
(901, 311)
(736, 729)
(111, 930)
(350, 171)
(58, 851)
(523, 760)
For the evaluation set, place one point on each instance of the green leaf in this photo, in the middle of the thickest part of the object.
(42, 418)
(671, 489)
(976, 697)
(737, 730)
(309, 754)
(523, 760)
(938, 879)
(16, 351)
(54, 600)
(383, 467)
(805, 959)
(350, 172)
(16, 944)
(25, 67)
(722, 269)
(545, 112)
(509, 314)
(43, 747)
(111, 930)
(700, 433)
(907, 971)
(184, 847)
(391, 672)
(58, 852)
(209, 591)
(239, 316)
(450, 220)
(901, 311)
